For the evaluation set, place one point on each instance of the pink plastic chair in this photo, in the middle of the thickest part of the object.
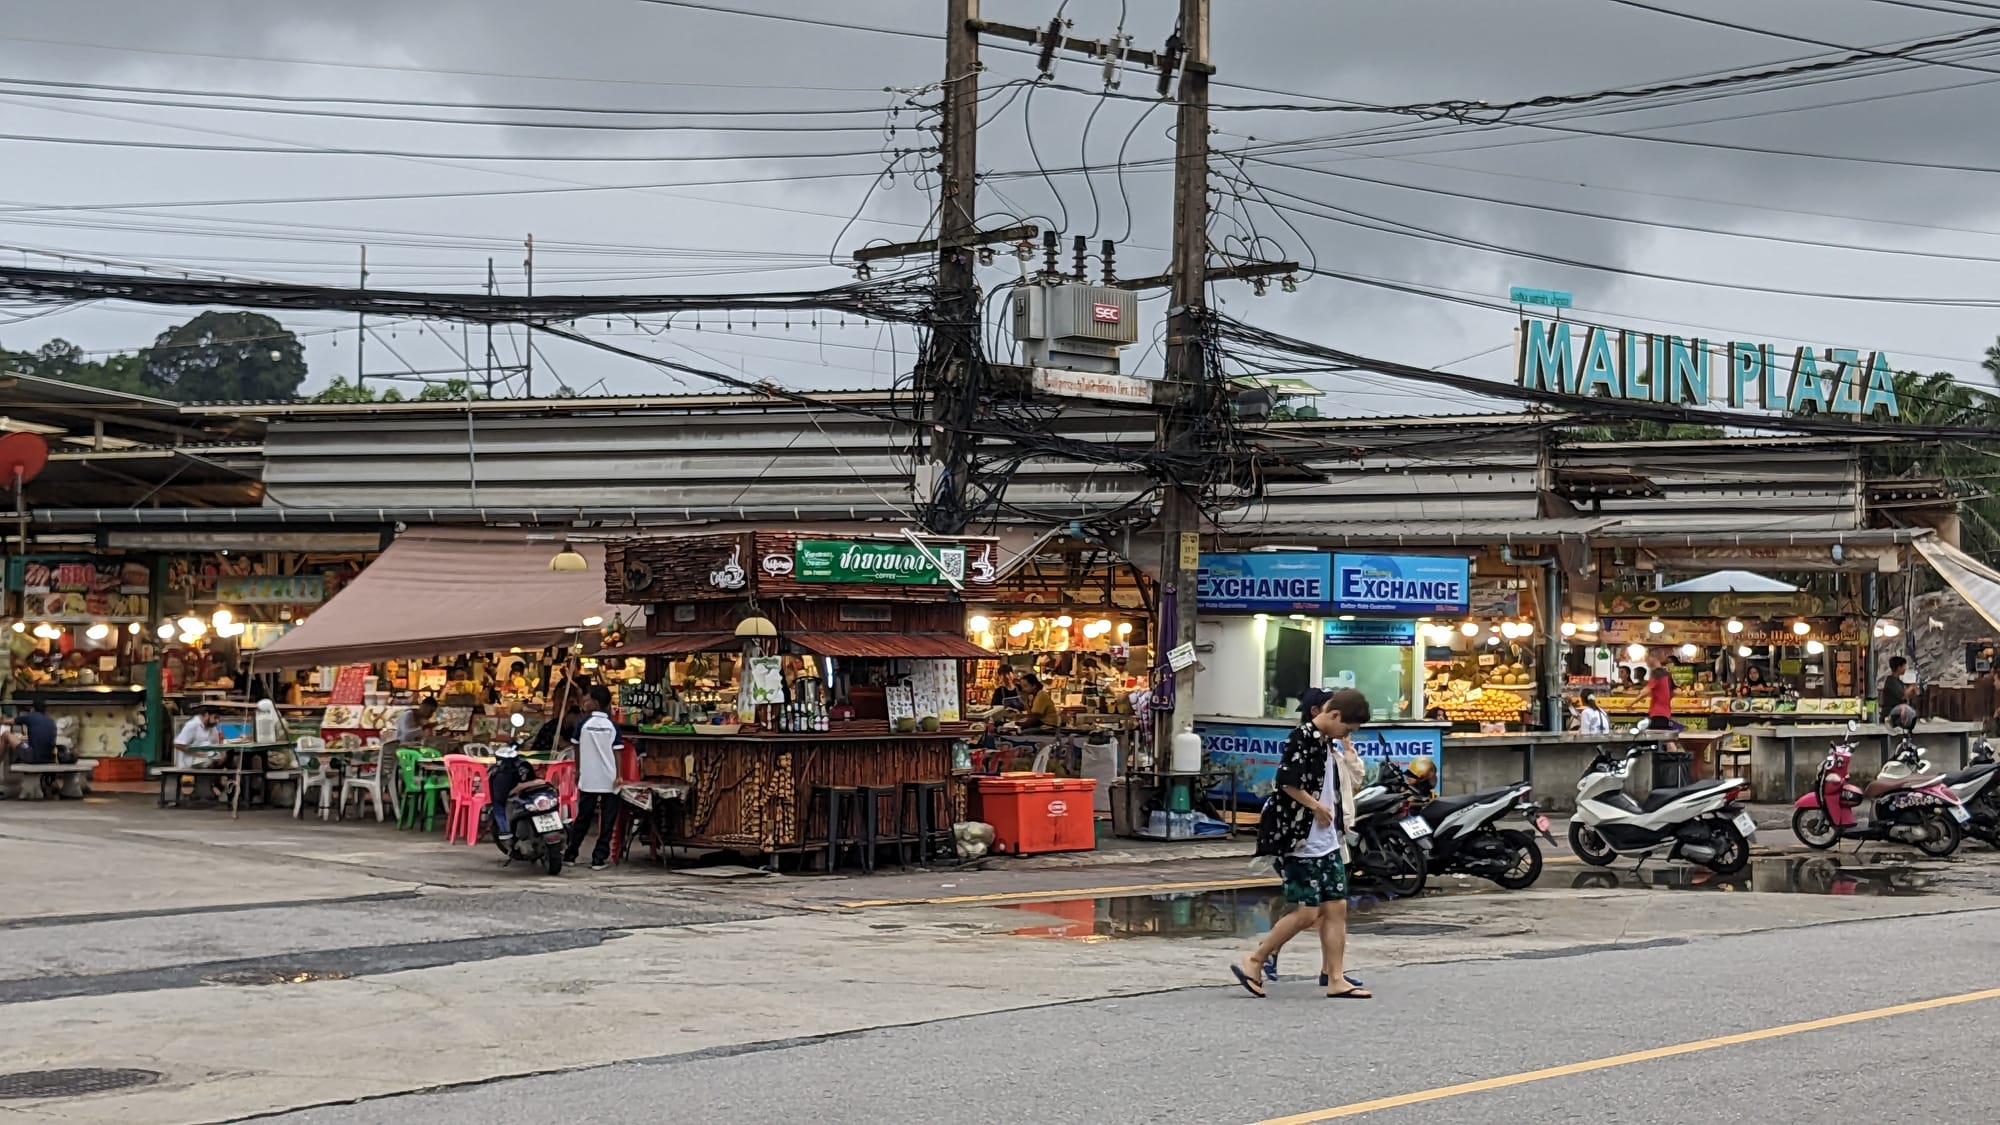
(466, 802)
(563, 776)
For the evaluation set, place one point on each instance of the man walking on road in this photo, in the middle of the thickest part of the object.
(596, 779)
(1305, 826)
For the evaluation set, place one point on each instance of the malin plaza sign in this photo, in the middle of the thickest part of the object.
(1597, 362)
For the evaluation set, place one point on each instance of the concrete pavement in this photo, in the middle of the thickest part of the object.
(411, 965)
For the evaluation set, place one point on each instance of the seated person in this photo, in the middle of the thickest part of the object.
(202, 731)
(414, 726)
(1038, 705)
(510, 773)
(32, 742)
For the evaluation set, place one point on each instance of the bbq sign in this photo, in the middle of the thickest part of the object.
(1416, 584)
(1596, 362)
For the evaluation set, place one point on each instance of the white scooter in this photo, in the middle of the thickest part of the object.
(1975, 785)
(1698, 822)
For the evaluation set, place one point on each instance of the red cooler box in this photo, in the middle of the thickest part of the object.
(1036, 813)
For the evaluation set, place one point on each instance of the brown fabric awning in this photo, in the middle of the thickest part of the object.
(919, 646)
(674, 644)
(437, 591)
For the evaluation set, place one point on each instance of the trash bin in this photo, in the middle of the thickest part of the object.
(1672, 768)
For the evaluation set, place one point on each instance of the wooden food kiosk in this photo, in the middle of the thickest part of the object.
(781, 665)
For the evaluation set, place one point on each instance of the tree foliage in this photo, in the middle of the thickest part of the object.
(60, 359)
(224, 356)
(1968, 468)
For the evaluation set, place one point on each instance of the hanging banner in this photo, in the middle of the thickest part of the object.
(898, 564)
(1271, 581)
(1375, 632)
(289, 589)
(1649, 603)
(1414, 584)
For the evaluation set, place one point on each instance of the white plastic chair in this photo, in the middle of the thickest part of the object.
(314, 776)
(368, 778)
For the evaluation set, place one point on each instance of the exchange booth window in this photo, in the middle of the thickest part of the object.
(1288, 656)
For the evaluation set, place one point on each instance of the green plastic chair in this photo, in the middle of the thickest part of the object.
(420, 788)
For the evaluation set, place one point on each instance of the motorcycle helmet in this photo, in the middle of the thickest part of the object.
(505, 752)
(1903, 717)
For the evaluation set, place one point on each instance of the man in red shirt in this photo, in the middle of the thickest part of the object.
(1660, 697)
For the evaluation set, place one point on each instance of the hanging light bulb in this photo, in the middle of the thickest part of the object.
(98, 631)
(1801, 628)
(1064, 622)
(1743, 650)
(1493, 640)
(1635, 651)
(165, 630)
(1891, 629)
(980, 623)
(1734, 626)
(1814, 648)
(133, 628)
(1124, 628)
(1569, 628)
(221, 618)
(20, 626)
(1470, 628)
(1656, 626)
(1509, 630)
(1525, 629)
(1689, 652)
(192, 627)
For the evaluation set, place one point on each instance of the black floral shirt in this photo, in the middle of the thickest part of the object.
(1286, 823)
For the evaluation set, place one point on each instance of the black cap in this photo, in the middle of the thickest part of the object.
(1310, 698)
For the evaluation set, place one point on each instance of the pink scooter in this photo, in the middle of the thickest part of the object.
(1914, 809)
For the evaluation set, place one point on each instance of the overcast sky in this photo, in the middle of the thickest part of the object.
(641, 209)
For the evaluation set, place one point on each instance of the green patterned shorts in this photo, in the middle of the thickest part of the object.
(1310, 882)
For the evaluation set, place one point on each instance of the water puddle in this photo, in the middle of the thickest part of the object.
(1233, 913)
(1248, 912)
(1786, 875)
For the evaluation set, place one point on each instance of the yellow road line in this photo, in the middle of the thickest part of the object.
(1355, 1109)
(1077, 892)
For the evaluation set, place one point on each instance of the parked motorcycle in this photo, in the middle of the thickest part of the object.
(1978, 787)
(1700, 822)
(1909, 807)
(1394, 844)
(539, 834)
(1465, 834)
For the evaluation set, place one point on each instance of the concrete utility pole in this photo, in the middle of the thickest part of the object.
(1187, 357)
(361, 331)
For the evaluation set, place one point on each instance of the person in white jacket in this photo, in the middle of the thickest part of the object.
(1590, 718)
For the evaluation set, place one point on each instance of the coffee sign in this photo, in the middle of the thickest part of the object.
(896, 564)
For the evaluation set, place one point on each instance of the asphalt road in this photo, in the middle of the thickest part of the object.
(1216, 1054)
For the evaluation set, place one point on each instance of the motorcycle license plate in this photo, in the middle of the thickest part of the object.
(549, 822)
(1541, 824)
(1745, 825)
(1416, 827)
(1959, 814)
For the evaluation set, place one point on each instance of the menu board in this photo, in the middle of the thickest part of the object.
(934, 689)
(899, 701)
(74, 591)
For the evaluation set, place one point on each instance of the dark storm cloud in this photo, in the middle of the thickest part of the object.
(630, 53)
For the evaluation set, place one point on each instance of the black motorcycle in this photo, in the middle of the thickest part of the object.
(540, 834)
(1393, 846)
(1465, 835)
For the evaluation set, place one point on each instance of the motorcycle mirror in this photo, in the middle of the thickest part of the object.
(517, 720)
(1852, 726)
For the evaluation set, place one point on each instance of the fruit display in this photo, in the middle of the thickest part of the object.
(1464, 702)
(1510, 675)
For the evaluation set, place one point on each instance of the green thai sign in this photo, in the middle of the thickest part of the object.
(899, 564)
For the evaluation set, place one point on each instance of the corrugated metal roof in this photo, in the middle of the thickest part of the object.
(674, 644)
(919, 646)
(1447, 532)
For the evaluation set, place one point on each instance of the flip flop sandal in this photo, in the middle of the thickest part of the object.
(1351, 994)
(1250, 984)
(1348, 977)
